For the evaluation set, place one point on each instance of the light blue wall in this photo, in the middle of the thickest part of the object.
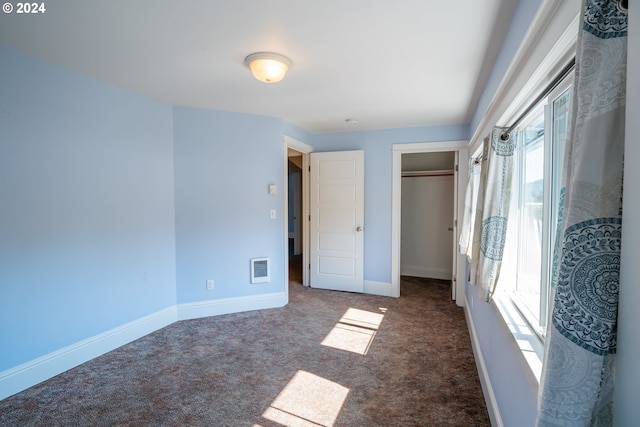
(516, 396)
(295, 132)
(377, 145)
(224, 163)
(520, 21)
(87, 207)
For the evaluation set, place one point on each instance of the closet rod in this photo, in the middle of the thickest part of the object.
(417, 174)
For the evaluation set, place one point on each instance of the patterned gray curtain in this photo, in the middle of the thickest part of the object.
(576, 387)
(465, 244)
(492, 210)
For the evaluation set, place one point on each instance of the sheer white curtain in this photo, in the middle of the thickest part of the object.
(577, 380)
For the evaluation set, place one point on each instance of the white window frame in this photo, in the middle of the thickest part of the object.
(538, 321)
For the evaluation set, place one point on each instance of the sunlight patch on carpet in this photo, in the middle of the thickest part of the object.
(307, 400)
(355, 331)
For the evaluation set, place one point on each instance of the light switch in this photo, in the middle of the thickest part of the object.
(272, 214)
(272, 189)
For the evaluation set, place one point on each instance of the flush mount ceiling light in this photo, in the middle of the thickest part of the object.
(268, 67)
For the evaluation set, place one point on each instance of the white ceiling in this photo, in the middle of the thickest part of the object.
(390, 64)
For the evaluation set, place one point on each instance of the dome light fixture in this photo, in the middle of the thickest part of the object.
(268, 67)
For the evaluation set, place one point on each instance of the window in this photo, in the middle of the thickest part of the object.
(535, 205)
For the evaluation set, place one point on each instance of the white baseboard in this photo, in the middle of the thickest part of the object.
(377, 288)
(430, 272)
(35, 371)
(485, 381)
(199, 309)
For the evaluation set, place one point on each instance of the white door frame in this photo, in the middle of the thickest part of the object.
(396, 191)
(304, 149)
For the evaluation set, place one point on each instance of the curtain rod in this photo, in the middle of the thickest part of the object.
(554, 84)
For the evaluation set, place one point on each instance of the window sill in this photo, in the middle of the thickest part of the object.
(525, 338)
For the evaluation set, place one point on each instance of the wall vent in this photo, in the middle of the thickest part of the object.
(260, 270)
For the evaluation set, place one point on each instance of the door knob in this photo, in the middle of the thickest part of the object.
(359, 229)
(450, 228)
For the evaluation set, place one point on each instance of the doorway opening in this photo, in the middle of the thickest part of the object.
(294, 214)
(459, 148)
(296, 208)
(427, 217)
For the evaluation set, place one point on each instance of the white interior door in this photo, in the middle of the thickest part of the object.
(337, 220)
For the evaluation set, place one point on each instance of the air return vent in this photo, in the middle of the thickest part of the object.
(260, 270)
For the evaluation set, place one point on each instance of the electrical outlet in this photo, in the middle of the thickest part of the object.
(209, 285)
